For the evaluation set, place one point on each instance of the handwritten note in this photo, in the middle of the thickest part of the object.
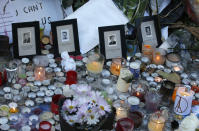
(14, 11)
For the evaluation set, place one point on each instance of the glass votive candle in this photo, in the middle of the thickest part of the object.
(11, 72)
(125, 124)
(152, 101)
(54, 103)
(183, 101)
(116, 65)
(121, 109)
(45, 126)
(138, 89)
(172, 59)
(136, 116)
(159, 56)
(71, 77)
(139, 92)
(40, 73)
(147, 50)
(156, 122)
(95, 63)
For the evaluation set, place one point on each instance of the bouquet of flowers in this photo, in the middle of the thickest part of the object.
(85, 109)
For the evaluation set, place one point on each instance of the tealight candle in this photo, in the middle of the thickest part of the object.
(40, 73)
(156, 122)
(158, 79)
(183, 101)
(177, 68)
(13, 107)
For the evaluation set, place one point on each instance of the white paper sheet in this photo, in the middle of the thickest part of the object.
(44, 11)
(94, 14)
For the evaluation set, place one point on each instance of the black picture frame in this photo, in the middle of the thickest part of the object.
(18, 39)
(156, 31)
(122, 40)
(56, 37)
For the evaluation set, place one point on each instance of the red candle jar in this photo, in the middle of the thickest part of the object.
(136, 116)
(125, 124)
(4, 76)
(45, 126)
(140, 95)
(194, 87)
(54, 103)
(1, 79)
(71, 78)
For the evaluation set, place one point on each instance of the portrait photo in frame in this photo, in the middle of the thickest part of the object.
(26, 39)
(65, 37)
(148, 31)
(112, 42)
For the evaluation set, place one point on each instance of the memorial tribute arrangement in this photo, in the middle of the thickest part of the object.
(111, 65)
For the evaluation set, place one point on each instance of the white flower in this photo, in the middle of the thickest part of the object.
(68, 64)
(71, 119)
(64, 55)
(70, 106)
(82, 100)
(92, 119)
(103, 106)
(83, 88)
(67, 92)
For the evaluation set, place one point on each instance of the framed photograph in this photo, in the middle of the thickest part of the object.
(112, 42)
(26, 39)
(148, 31)
(65, 37)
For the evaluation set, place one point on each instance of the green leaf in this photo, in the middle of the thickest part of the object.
(128, 79)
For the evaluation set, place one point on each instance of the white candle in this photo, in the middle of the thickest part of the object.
(121, 84)
(183, 101)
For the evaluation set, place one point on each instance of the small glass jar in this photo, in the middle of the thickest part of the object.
(95, 64)
(156, 122)
(40, 73)
(138, 89)
(11, 73)
(147, 50)
(121, 109)
(159, 56)
(145, 62)
(116, 65)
